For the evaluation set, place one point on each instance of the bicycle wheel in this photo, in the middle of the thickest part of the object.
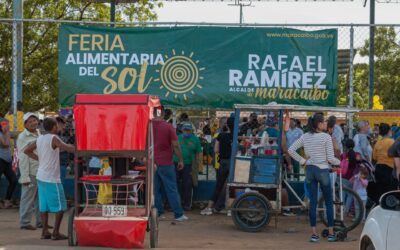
(251, 212)
(352, 203)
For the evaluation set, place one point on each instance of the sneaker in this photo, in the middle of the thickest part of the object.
(288, 213)
(229, 213)
(182, 218)
(314, 238)
(223, 211)
(8, 204)
(332, 238)
(206, 211)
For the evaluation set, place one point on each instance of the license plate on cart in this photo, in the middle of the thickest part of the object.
(114, 211)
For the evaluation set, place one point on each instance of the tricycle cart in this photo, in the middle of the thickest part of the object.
(257, 172)
(114, 210)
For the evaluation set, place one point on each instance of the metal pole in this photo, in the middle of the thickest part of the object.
(17, 48)
(351, 101)
(174, 123)
(112, 12)
(241, 13)
(371, 52)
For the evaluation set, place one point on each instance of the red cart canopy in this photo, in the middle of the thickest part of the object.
(106, 123)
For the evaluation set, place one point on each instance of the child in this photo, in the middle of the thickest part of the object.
(360, 184)
(51, 192)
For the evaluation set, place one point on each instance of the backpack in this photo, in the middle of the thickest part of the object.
(344, 163)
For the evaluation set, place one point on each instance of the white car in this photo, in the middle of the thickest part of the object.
(382, 228)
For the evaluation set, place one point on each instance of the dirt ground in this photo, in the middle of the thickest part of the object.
(200, 232)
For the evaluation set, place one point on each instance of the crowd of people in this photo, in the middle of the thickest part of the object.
(370, 161)
(41, 188)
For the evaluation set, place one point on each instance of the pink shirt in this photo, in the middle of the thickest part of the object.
(164, 135)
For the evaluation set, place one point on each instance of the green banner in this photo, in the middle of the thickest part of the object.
(200, 67)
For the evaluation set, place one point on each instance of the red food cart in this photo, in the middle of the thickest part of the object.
(108, 211)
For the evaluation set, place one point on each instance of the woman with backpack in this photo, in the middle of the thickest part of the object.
(318, 148)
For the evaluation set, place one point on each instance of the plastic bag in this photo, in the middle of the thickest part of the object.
(105, 189)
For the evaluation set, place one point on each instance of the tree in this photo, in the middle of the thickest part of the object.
(387, 64)
(40, 55)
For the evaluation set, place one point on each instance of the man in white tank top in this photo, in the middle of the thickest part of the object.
(51, 192)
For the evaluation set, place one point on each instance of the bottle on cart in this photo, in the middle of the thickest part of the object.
(264, 138)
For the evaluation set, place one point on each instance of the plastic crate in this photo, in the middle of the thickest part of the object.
(265, 170)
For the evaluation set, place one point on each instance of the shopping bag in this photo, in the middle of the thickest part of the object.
(105, 194)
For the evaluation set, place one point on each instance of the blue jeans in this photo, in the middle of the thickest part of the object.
(347, 198)
(315, 176)
(166, 176)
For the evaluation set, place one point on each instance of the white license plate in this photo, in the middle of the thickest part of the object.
(113, 211)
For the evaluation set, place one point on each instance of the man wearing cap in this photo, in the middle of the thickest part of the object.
(28, 168)
(191, 153)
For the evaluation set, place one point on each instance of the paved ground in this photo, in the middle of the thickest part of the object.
(212, 232)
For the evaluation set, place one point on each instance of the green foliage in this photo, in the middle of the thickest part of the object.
(40, 86)
(387, 74)
(387, 64)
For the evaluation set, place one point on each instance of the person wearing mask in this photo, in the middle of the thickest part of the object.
(318, 148)
(384, 164)
(223, 146)
(6, 160)
(165, 143)
(191, 153)
(46, 150)
(28, 168)
(183, 118)
(292, 135)
(361, 141)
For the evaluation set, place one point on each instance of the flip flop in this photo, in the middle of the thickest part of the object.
(59, 237)
(46, 237)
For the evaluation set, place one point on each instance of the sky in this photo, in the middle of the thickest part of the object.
(339, 12)
(279, 12)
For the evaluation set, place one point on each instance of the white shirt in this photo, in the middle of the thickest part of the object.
(27, 165)
(49, 159)
(319, 149)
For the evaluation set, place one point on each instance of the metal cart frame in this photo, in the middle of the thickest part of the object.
(251, 214)
(149, 214)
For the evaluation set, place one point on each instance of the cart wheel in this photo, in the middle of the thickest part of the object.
(325, 233)
(251, 221)
(340, 235)
(72, 239)
(154, 228)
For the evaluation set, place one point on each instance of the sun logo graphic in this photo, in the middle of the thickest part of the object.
(180, 75)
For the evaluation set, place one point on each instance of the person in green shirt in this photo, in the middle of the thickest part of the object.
(191, 152)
